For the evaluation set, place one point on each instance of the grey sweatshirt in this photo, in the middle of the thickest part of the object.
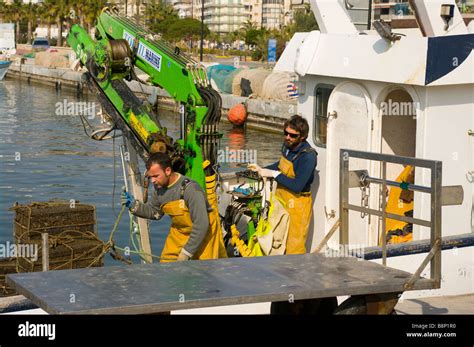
(195, 200)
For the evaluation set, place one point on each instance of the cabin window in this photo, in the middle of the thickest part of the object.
(321, 98)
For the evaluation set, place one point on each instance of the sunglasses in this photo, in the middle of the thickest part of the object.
(293, 136)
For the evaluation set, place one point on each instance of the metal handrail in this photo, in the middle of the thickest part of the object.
(435, 190)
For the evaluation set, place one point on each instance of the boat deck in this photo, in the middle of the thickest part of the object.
(154, 288)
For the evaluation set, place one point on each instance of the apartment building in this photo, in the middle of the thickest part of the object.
(225, 16)
(130, 8)
(185, 8)
(222, 16)
(275, 13)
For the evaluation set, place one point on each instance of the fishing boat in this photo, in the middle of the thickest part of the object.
(384, 99)
(4, 65)
(7, 46)
(406, 92)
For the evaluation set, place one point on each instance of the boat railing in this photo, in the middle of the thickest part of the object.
(439, 196)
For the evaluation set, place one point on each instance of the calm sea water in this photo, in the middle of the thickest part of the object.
(46, 156)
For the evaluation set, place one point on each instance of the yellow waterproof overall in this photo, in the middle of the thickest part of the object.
(299, 207)
(181, 226)
(399, 204)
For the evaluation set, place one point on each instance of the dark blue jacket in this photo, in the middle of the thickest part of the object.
(303, 167)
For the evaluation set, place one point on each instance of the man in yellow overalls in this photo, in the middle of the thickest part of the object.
(195, 229)
(294, 173)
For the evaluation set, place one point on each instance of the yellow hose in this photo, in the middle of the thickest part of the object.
(238, 243)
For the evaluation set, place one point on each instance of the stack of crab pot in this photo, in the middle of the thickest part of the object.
(72, 236)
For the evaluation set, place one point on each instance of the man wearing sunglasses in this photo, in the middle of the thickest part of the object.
(294, 174)
(195, 231)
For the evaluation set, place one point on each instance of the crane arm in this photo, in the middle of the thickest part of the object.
(119, 46)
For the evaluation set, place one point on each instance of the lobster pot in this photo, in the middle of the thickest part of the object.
(72, 236)
(52, 218)
(7, 266)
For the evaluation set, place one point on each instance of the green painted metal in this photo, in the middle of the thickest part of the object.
(166, 68)
(86, 49)
(154, 57)
(255, 207)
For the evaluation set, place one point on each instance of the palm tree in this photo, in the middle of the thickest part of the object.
(214, 37)
(92, 11)
(62, 11)
(152, 12)
(160, 17)
(47, 13)
(248, 25)
(13, 13)
(77, 12)
(31, 12)
(137, 10)
(231, 37)
(2, 11)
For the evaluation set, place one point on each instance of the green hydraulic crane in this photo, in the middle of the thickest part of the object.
(119, 46)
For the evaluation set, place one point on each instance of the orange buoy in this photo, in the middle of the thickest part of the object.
(237, 114)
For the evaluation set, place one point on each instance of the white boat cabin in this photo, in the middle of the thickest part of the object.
(410, 94)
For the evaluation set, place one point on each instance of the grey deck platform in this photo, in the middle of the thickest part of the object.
(153, 288)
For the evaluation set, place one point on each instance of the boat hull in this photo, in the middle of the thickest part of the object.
(4, 68)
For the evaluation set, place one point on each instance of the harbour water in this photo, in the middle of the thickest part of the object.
(45, 155)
